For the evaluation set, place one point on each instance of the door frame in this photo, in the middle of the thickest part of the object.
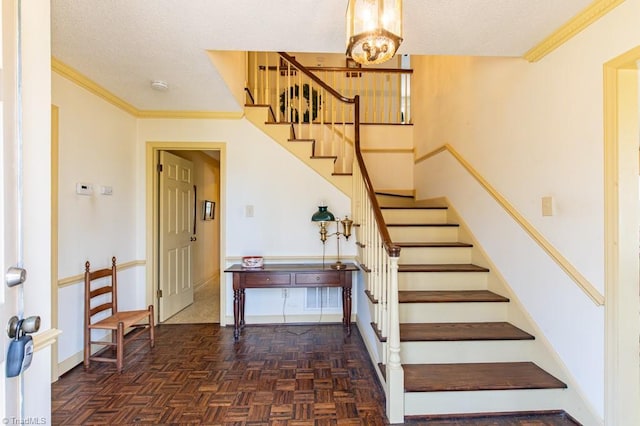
(152, 219)
(622, 207)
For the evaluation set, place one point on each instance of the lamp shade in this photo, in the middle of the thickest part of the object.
(323, 215)
(374, 30)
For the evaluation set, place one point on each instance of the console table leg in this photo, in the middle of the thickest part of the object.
(242, 298)
(346, 294)
(236, 314)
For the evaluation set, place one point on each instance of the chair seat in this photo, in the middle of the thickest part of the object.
(128, 319)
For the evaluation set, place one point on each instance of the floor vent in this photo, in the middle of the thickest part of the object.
(323, 298)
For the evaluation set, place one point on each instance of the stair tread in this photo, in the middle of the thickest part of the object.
(449, 296)
(445, 267)
(433, 244)
(477, 376)
(424, 224)
(418, 207)
(461, 331)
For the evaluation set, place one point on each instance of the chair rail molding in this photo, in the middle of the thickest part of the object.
(74, 279)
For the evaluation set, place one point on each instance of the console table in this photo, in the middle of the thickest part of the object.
(287, 276)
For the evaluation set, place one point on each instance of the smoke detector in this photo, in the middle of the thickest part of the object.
(159, 85)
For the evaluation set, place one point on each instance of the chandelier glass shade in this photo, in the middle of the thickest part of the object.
(374, 30)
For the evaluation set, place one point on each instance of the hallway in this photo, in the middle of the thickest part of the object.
(205, 308)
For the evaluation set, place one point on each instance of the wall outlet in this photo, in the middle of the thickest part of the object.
(285, 293)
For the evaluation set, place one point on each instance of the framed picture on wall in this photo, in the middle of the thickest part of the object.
(208, 210)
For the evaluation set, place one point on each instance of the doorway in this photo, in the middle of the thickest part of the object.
(208, 279)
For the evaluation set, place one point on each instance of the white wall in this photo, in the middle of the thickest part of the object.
(531, 130)
(96, 146)
(283, 191)
(102, 145)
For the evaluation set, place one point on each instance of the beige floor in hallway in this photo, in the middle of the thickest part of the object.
(205, 308)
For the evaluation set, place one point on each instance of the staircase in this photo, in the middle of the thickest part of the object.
(448, 335)
(459, 352)
(306, 149)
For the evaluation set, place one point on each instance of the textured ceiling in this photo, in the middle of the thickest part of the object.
(124, 44)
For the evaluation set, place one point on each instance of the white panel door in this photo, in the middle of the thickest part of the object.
(10, 207)
(177, 209)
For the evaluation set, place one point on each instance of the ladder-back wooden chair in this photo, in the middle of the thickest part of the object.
(97, 288)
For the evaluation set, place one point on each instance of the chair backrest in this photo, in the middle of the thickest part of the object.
(106, 288)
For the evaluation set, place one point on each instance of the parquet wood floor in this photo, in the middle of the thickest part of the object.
(274, 375)
(196, 374)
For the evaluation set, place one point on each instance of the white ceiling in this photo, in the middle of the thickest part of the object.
(124, 44)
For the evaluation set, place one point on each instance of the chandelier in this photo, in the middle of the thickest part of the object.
(374, 30)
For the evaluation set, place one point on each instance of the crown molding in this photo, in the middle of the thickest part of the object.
(592, 13)
(83, 81)
(90, 85)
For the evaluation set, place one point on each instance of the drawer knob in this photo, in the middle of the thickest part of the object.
(268, 279)
(317, 278)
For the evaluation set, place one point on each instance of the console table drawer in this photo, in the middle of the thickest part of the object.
(325, 278)
(266, 279)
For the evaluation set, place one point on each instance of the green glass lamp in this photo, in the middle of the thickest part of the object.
(322, 216)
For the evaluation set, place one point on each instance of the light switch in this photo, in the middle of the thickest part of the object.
(106, 190)
(248, 211)
(547, 206)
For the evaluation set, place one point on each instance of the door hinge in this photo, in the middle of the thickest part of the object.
(159, 294)
(159, 167)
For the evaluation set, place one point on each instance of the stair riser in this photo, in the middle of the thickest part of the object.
(414, 215)
(388, 200)
(282, 132)
(431, 234)
(422, 403)
(452, 312)
(466, 351)
(257, 115)
(442, 280)
(419, 255)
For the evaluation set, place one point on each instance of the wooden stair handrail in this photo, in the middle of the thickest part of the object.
(317, 79)
(392, 249)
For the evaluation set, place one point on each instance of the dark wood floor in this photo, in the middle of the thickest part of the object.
(274, 375)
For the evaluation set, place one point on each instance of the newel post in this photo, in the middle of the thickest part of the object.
(395, 374)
